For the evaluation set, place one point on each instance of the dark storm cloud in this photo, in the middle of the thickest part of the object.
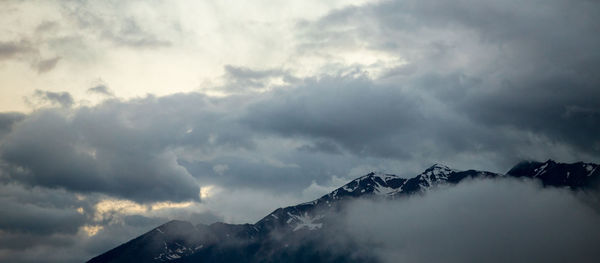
(33, 219)
(507, 64)
(480, 221)
(485, 83)
(357, 115)
(60, 98)
(7, 120)
(243, 172)
(154, 149)
(103, 149)
(15, 242)
(28, 247)
(38, 211)
(351, 111)
(38, 221)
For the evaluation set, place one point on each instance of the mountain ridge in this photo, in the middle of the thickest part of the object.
(267, 240)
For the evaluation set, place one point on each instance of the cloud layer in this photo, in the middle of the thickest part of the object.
(485, 220)
(280, 102)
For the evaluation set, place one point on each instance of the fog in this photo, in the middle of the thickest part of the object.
(502, 220)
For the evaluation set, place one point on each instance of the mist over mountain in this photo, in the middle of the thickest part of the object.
(252, 125)
(536, 212)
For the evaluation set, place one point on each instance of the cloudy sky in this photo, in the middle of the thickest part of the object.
(116, 116)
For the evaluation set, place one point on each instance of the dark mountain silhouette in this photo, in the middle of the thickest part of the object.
(303, 233)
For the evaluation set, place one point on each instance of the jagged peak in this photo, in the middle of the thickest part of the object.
(438, 166)
(174, 226)
(175, 222)
(535, 168)
(372, 175)
(437, 169)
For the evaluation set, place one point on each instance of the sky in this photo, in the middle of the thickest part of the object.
(116, 116)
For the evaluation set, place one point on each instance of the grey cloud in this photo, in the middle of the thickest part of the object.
(247, 79)
(244, 172)
(46, 26)
(491, 221)
(120, 28)
(28, 51)
(40, 197)
(321, 146)
(130, 34)
(63, 99)
(47, 64)
(97, 153)
(128, 149)
(33, 219)
(101, 89)
(7, 120)
(205, 218)
(498, 64)
(487, 83)
(370, 119)
(38, 221)
(12, 49)
(156, 149)
(58, 248)
(19, 242)
(25, 247)
(237, 72)
(354, 112)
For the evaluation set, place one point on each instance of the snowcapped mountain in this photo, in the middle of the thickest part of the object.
(296, 233)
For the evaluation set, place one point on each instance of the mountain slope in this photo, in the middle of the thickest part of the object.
(297, 233)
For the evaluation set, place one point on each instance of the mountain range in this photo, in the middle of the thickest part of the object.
(302, 233)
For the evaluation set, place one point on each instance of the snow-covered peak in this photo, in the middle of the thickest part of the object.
(383, 176)
(436, 174)
(375, 182)
(438, 171)
(179, 241)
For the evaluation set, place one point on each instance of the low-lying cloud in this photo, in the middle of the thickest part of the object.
(501, 220)
(388, 86)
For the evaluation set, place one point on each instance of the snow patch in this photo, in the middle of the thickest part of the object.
(588, 167)
(306, 221)
(383, 190)
(169, 254)
(540, 170)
